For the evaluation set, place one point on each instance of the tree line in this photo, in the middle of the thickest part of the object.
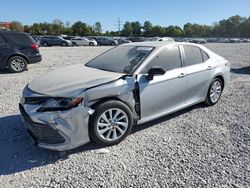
(234, 26)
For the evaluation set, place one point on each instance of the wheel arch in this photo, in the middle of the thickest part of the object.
(222, 79)
(106, 99)
(16, 54)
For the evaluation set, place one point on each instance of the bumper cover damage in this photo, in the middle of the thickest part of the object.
(57, 130)
(65, 130)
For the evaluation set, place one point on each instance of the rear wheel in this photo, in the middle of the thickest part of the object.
(214, 92)
(17, 64)
(45, 44)
(111, 123)
(91, 44)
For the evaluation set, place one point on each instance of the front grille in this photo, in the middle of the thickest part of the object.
(42, 133)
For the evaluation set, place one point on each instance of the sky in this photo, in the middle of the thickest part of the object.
(158, 12)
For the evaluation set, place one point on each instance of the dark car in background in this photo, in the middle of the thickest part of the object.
(54, 41)
(123, 41)
(17, 49)
(198, 41)
(136, 39)
(106, 41)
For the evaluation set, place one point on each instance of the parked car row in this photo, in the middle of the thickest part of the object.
(76, 41)
(212, 40)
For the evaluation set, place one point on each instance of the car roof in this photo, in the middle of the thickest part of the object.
(159, 44)
(14, 32)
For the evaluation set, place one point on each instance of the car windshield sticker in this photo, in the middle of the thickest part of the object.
(144, 48)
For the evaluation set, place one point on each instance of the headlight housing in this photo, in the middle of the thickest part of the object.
(60, 104)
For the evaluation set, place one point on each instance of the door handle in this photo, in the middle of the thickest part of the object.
(209, 67)
(182, 75)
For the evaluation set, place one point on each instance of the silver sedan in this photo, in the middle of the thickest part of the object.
(130, 84)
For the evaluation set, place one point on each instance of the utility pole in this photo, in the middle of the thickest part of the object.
(118, 24)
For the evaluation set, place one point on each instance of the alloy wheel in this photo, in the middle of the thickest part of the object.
(112, 124)
(215, 91)
(17, 64)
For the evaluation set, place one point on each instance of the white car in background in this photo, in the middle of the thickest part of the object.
(83, 41)
(170, 39)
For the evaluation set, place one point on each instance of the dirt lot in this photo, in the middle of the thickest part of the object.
(197, 147)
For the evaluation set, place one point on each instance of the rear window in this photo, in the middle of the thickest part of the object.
(193, 55)
(204, 55)
(21, 38)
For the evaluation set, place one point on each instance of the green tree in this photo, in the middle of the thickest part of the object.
(16, 26)
(80, 28)
(36, 29)
(147, 26)
(158, 31)
(57, 26)
(26, 29)
(245, 28)
(188, 30)
(136, 28)
(173, 31)
(97, 28)
(127, 30)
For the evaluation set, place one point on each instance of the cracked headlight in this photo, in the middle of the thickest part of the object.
(60, 104)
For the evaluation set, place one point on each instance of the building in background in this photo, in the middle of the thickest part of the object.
(5, 25)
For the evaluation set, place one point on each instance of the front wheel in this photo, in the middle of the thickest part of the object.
(111, 123)
(214, 92)
(17, 64)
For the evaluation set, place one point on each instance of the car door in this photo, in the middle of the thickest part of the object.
(58, 41)
(78, 41)
(85, 41)
(4, 51)
(105, 41)
(165, 93)
(198, 70)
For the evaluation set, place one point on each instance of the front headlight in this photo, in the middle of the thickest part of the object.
(60, 104)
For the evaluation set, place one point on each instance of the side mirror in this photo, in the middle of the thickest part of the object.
(155, 71)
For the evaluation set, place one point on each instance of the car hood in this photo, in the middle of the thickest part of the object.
(71, 80)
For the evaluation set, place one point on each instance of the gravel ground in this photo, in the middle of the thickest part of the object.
(197, 147)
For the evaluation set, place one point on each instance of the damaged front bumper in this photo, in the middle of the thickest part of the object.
(57, 130)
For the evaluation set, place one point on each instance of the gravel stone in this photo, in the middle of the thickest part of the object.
(197, 147)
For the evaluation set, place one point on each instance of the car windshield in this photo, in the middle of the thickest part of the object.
(121, 59)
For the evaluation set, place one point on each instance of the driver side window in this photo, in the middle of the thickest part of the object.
(168, 59)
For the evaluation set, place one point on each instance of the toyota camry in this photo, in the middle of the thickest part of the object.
(130, 84)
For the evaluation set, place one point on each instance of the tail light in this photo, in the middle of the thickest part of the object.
(35, 47)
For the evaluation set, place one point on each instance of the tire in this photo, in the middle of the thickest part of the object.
(214, 92)
(45, 44)
(74, 44)
(64, 44)
(91, 44)
(106, 131)
(113, 44)
(17, 64)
